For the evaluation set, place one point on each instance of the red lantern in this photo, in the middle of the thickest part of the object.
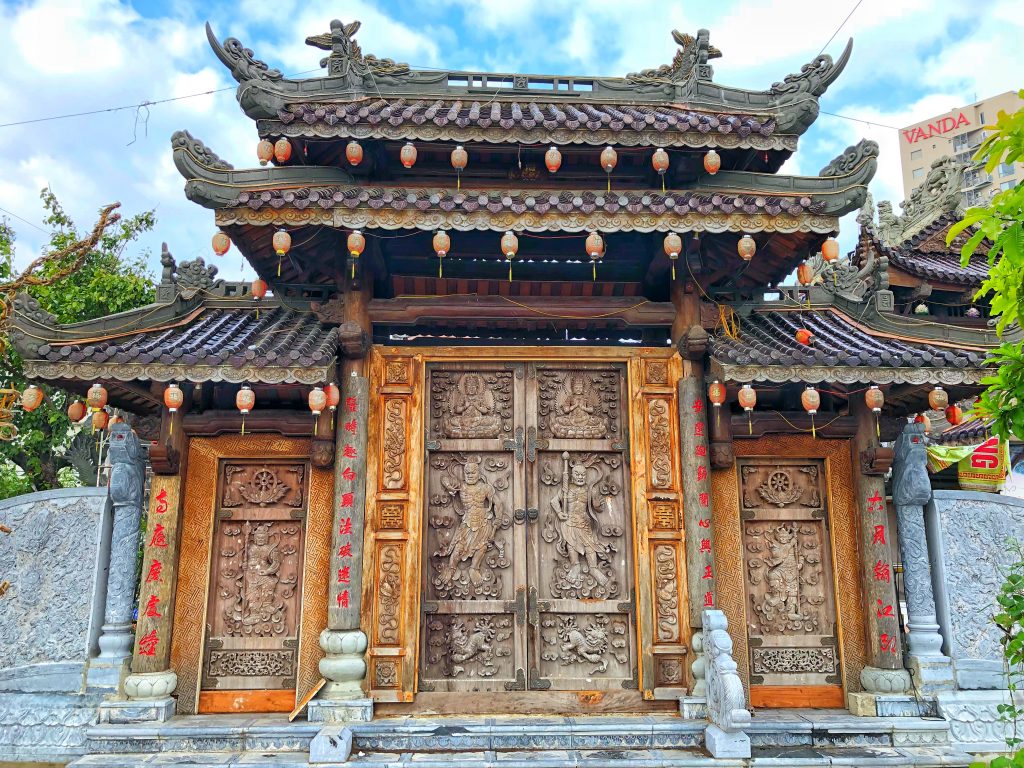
(442, 244)
(660, 162)
(96, 397)
(356, 244)
(408, 154)
(221, 243)
(354, 153)
(31, 398)
(595, 249)
(282, 243)
(954, 414)
(805, 337)
(805, 273)
(922, 419)
(673, 246)
(874, 399)
(245, 400)
(173, 397)
(811, 401)
(100, 420)
(282, 150)
(459, 161)
(712, 162)
(317, 401)
(746, 247)
(716, 395)
(333, 396)
(258, 288)
(830, 250)
(553, 159)
(509, 247)
(747, 398)
(938, 399)
(264, 151)
(76, 411)
(609, 159)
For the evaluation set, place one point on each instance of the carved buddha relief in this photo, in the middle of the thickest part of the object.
(471, 404)
(468, 513)
(583, 524)
(578, 404)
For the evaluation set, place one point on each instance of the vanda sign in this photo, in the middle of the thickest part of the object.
(939, 127)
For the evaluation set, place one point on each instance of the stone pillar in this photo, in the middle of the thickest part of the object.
(127, 478)
(343, 642)
(911, 491)
(884, 673)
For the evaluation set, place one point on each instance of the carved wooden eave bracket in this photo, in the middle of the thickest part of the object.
(352, 76)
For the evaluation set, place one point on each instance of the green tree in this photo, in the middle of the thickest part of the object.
(999, 227)
(104, 283)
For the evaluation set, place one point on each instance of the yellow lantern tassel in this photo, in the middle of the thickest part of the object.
(316, 424)
(458, 180)
(750, 425)
(170, 429)
(878, 426)
(609, 182)
(279, 266)
(663, 182)
(353, 269)
(673, 270)
(593, 265)
(813, 433)
(510, 271)
(243, 423)
(440, 267)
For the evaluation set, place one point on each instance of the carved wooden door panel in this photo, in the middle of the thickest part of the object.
(790, 605)
(581, 603)
(253, 609)
(472, 632)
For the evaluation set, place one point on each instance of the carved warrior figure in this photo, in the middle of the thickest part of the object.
(573, 524)
(257, 608)
(577, 411)
(784, 564)
(471, 409)
(480, 508)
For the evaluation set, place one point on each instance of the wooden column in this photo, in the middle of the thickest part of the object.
(884, 673)
(700, 575)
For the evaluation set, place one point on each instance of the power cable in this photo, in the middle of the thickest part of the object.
(855, 7)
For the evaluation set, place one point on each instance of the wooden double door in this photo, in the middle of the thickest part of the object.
(528, 578)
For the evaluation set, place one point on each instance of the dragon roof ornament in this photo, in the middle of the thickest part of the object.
(813, 78)
(347, 61)
(691, 59)
(240, 60)
(939, 194)
(851, 158)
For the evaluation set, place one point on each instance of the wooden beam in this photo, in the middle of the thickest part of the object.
(828, 425)
(630, 311)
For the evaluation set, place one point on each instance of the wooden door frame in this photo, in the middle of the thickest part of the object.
(392, 548)
(200, 481)
(843, 538)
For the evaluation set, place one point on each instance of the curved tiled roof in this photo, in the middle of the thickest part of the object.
(769, 339)
(926, 255)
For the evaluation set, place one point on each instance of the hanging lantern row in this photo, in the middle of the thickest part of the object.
(279, 151)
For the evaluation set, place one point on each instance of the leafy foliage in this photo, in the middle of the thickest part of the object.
(999, 227)
(104, 284)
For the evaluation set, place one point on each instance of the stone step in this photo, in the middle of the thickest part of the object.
(204, 733)
(790, 757)
(826, 728)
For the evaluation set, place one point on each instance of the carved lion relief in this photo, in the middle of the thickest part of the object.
(469, 646)
(470, 404)
(594, 643)
(578, 404)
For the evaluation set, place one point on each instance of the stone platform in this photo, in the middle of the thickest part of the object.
(780, 738)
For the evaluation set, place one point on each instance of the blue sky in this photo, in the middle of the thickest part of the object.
(912, 59)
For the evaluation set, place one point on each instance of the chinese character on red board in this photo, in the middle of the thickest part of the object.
(346, 499)
(879, 537)
(702, 472)
(159, 538)
(343, 575)
(698, 406)
(350, 426)
(701, 450)
(151, 611)
(704, 500)
(348, 474)
(161, 501)
(707, 572)
(704, 523)
(882, 571)
(883, 611)
(705, 545)
(888, 643)
(345, 550)
(349, 452)
(154, 571)
(343, 599)
(698, 429)
(147, 644)
(345, 528)
(709, 600)
(350, 403)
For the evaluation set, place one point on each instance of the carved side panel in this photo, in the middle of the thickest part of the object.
(659, 442)
(791, 607)
(394, 444)
(255, 577)
(667, 628)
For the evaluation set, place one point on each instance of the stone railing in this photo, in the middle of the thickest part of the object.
(726, 699)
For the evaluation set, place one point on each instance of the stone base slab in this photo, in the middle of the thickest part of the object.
(148, 711)
(931, 675)
(975, 724)
(693, 707)
(725, 744)
(340, 711)
(906, 706)
(861, 704)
